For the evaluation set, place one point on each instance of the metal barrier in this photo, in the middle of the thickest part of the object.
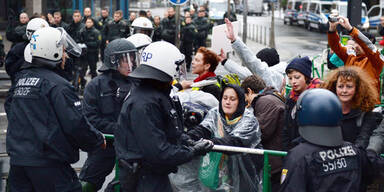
(257, 33)
(266, 168)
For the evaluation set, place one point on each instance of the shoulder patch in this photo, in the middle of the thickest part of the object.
(1, 37)
(99, 37)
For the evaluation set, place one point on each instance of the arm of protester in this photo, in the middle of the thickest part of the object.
(334, 42)
(232, 67)
(249, 59)
(369, 48)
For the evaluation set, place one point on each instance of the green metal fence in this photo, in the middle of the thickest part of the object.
(266, 168)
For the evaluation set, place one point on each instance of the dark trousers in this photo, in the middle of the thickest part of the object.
(200, 42)
(147, 182)
(98, 165)
(275, 181)
(102, 47)
(91, 58)
(43, 179)
(187, 49)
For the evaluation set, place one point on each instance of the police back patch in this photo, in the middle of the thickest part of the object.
(335, 160)
(27, 87)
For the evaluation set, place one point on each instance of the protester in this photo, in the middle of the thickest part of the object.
(232, 124)
(260, 64)
(103, 98)
(323, 161)
(46, 127)
(299, 77)
(366, 55)
(204, 65)
(357, 97)
(380, 30)
(147, 139)
(268, 108)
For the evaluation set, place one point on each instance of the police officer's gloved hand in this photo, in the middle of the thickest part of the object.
(187, 140)
(202, 147)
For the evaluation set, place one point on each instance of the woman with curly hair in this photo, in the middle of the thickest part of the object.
(358, 98)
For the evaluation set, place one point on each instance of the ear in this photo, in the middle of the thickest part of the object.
(249, 90)
(207, 66)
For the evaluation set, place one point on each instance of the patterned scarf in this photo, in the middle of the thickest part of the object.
(204, 76)
(233, 121)
(315, 83)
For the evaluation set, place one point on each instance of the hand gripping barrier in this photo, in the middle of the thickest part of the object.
(266, 168)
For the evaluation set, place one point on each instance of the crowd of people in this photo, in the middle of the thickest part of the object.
(166, 127)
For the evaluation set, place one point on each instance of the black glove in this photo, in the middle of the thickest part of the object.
(202, 147)
(187, 140)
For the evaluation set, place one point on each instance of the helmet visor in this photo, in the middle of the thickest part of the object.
(181, 69)
(69, 44)
(145, 31)
(126, 61)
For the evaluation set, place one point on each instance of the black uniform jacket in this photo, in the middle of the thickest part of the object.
(314, 168)
(46, 126)
(103, 98)
(149, 130)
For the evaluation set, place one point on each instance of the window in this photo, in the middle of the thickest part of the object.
(374, 12)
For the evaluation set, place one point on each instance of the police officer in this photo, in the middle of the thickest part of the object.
(46, 127)
(2, 53)
(88, 14)
(73, 30)
(103, 98)
(103, 20)
(142, 25)
(147, 138)
(203, 25)
(118, 28)
(323, 161)
(15, 56)
(17, 34)
(92, 38)
(168, 27)
(188, 34)
(58, 20)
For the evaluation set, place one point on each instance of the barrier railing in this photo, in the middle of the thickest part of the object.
(265, 153)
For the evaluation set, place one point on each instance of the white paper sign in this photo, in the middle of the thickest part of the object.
(219, 38)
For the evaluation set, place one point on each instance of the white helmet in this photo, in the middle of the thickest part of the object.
(139, 40)
(27, 53)
(48, 43)
(142, 25)
(159, 61)
(34, 25)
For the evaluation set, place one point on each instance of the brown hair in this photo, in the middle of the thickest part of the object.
(307, 79)
(365, 94)
(58, 13)
(76, 11)
(254, 82)
(209, 57)
(120, 12)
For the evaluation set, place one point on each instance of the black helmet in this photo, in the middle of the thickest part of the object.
(116, 51)
(318, 115)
